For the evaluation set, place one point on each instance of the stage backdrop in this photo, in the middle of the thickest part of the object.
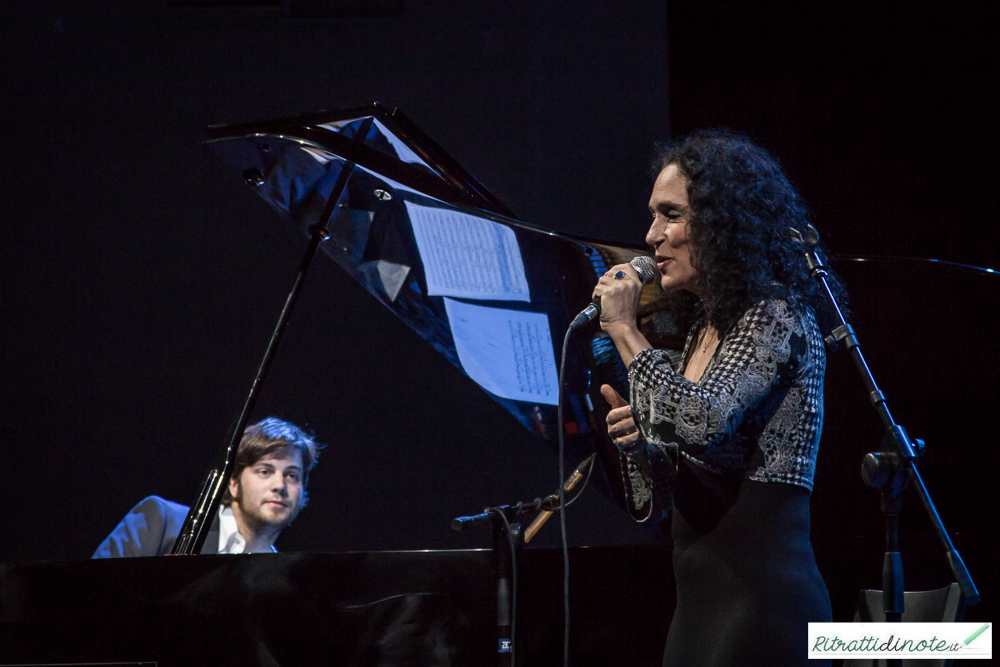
(140, 279)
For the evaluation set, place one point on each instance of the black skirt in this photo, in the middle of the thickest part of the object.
(747, 581)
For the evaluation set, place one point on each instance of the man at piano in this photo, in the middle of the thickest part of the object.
(265, 494)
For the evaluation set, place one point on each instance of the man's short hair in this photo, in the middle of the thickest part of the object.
(268, 436)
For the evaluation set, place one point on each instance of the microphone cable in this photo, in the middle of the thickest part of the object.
(645, 267)
(562, 498)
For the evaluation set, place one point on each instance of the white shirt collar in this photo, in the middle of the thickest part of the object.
(230, 540)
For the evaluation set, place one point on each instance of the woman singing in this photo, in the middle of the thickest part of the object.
(737, 426)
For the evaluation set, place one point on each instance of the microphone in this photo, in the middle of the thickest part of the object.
(644, 266)
(552, 502)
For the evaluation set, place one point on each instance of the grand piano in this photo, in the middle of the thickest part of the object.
(493, 295)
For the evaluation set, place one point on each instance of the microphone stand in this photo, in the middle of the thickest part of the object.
(892, 467)
(199, 518)
(506, 546)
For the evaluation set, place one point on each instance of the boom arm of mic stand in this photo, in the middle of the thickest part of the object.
(199, 518)
(896, 441)
(512, 512)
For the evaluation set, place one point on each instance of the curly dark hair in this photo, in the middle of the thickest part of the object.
(741, 207)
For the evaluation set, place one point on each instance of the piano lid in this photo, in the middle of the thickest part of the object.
(395, 148)
(491, 293)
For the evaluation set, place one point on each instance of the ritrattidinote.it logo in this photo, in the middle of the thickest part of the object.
(901, 640)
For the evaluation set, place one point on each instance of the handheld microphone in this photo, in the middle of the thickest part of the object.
(644, 266)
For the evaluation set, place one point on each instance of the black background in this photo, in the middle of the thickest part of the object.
(140, 280)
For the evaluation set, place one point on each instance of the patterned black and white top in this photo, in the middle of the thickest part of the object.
(756, 412)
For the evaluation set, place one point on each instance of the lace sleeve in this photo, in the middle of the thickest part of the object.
(648, 476)
(673, 412)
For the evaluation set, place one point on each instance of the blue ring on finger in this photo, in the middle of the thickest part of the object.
(619, 275)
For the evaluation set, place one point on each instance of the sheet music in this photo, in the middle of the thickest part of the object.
(468, 257)
(507, 352)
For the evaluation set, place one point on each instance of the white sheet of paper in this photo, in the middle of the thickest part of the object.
(507, 352)
(468, 257)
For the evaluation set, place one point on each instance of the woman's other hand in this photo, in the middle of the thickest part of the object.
(621, 426)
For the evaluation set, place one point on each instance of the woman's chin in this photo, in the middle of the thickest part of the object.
(669, 285)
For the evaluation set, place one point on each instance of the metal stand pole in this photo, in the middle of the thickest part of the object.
(501, 565)
(891, 468)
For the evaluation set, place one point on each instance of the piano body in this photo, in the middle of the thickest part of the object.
(382, 608)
